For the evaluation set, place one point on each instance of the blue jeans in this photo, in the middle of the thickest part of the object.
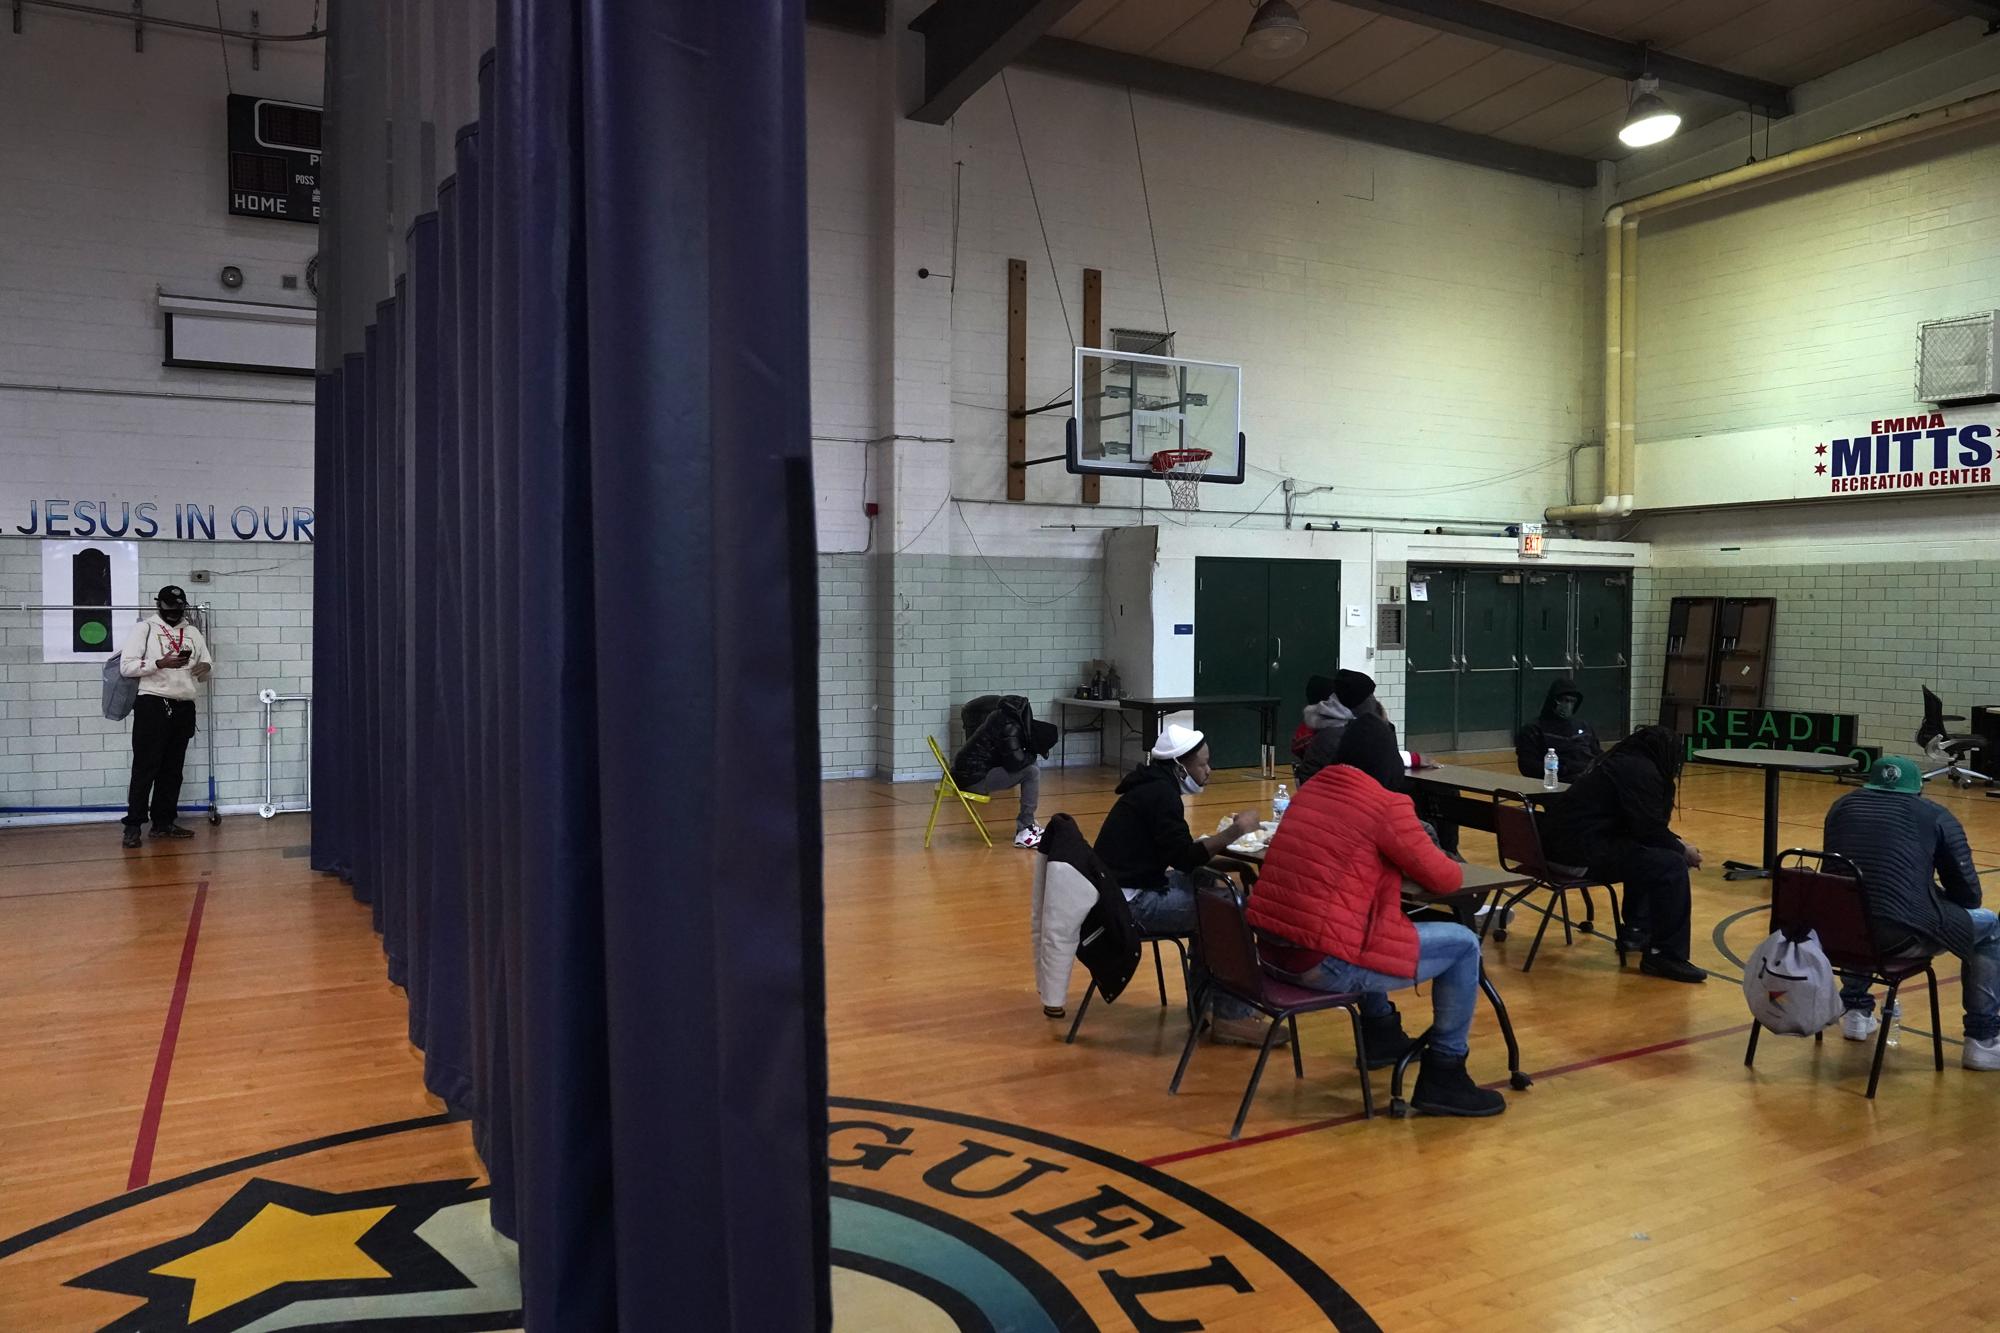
(1980, 979)
(1170, 911)
(1447, 953)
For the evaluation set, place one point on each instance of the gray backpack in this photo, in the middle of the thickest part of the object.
(121, 692)
(1790, 986)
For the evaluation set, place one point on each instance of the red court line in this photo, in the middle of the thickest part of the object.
(1595, 1062)
(163, 1063)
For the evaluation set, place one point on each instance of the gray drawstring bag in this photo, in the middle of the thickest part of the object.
(1790, 985)
(121, 692)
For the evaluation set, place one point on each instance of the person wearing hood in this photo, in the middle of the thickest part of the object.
(1353, 693)
(1146, 844)
(1558, 728)
(1329, 912)
(169, 658)
(1614, 820)
(1003, 743)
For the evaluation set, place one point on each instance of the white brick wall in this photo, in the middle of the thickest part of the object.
(1800, 302)
(56, 748)
(114, 164)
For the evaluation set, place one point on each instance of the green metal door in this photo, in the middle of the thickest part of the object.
(1305, 631)
(1489, 689)
(1545, 635)
(1603, 643)
(1232, 652)
(1431, 659)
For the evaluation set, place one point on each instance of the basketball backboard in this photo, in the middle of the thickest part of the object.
(1127, 406)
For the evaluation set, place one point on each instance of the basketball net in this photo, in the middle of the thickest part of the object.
(1182, 470)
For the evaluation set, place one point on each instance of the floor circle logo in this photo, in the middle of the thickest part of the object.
(952, 1223)
(940, 1223)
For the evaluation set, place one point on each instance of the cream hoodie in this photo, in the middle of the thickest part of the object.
(150, 640)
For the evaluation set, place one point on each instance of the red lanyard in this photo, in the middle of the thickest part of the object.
(177, 642)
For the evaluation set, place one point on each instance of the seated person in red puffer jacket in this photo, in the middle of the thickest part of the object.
(1329, 909)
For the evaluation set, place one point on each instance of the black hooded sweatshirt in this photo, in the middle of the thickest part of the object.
(1573, 740)
(1147, 830)
(1623, 803)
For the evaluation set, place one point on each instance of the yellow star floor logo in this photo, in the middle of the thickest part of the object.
(277, 1247)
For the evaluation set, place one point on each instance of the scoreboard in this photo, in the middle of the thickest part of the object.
(274, 150)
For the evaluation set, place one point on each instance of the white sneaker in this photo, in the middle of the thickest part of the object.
(1858, 1024)
(1030, 836)
(1982, 1054)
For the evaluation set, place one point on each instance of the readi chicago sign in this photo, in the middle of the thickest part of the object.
(1906, 453)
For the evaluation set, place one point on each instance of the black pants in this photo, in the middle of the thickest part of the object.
(1656, 895)
(161, 730)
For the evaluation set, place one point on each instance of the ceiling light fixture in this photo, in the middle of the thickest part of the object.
(1275, 31)
(1648, 119)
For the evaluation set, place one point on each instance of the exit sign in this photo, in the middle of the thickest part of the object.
(1531, 542)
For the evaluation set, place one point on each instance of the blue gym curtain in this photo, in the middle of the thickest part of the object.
(565, 727)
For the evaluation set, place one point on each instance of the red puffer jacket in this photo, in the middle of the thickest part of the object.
(1333, 878)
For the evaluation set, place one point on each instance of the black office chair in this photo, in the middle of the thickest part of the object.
(1943, 749)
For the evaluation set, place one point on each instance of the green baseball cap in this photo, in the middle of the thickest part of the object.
(1893, 773)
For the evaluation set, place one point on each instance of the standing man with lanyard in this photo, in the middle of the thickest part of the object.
(169, 658)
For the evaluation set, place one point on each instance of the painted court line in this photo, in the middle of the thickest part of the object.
(1538, 1075)
(163, 1063)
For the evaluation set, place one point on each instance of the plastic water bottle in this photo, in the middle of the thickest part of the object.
(1551, 771)
(1280, 802)
(1895, 1021)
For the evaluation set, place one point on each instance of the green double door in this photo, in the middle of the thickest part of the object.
(1261, 627)
(1484, 645)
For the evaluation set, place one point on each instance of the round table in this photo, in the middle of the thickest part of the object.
(1774, 763)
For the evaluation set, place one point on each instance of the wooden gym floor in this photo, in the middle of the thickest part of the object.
(166, 1014)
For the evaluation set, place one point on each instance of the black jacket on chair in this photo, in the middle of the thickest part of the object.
(1573, 739)
(1900, 840)
(1000, 732)
(1109, 947)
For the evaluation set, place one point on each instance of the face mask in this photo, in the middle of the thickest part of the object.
(1565, 709)
(172, 614)
(1188, 784)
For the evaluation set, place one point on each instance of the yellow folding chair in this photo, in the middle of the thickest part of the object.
(947, 787)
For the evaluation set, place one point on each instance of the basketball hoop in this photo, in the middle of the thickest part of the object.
(1182, 470)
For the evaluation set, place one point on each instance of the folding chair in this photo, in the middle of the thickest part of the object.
(1823, 892)
(1229, 951)
(947, 787)
(1519, 840)
(1180, 943)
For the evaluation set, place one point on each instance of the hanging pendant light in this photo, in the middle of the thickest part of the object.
(1648, 120)
(1275, 31)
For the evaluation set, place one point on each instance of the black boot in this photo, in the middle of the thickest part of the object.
(1671, 968)
(131, 835)
(1444, 1088)
(1384, 1036)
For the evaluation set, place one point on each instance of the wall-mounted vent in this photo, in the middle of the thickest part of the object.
(1146, 342)
(1388, 626)
(1958, 360)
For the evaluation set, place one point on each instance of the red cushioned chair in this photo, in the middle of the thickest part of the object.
(1229, 951)
(1823, 892)
(1519, 840)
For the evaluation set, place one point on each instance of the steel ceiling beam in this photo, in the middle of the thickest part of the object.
(1302, 111)
(967, 42)
(1592, 50)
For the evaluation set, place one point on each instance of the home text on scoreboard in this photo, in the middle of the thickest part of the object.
(274, 150)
